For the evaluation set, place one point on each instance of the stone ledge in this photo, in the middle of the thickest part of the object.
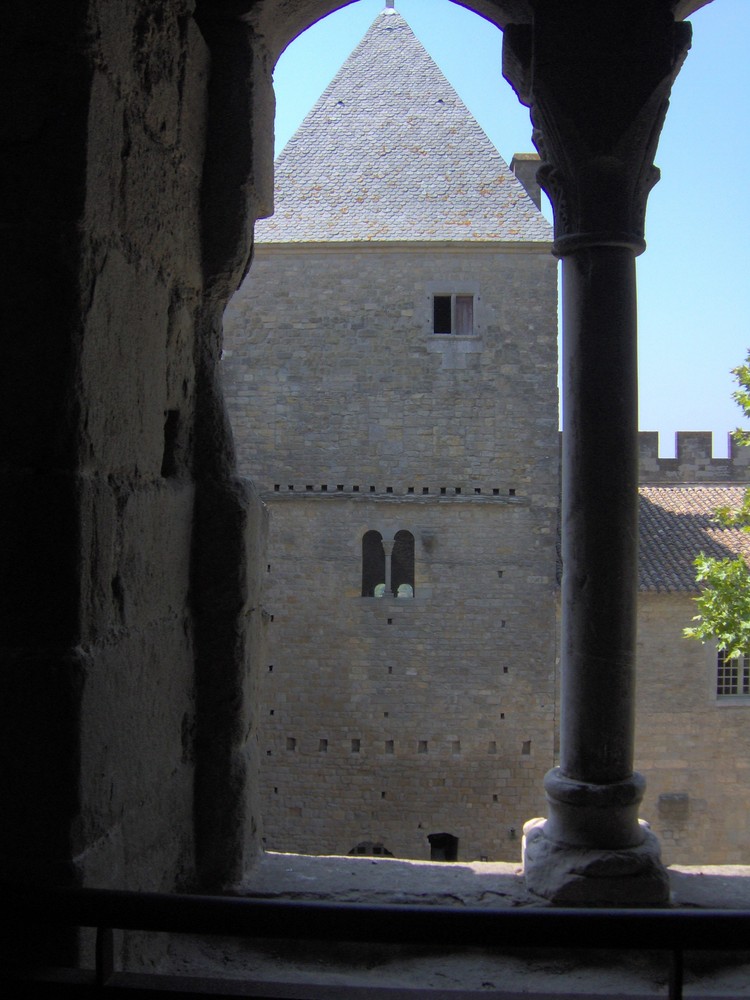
(408, 498)
(472, 883)
(444, 972)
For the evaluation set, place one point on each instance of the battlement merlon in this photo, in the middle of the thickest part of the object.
(693, 461)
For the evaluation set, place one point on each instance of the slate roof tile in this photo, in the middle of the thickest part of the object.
(390, 152)
(676, 523)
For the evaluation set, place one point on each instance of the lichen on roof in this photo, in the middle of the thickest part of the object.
(390, 152)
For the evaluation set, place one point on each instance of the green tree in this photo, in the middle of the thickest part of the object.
(724, 600)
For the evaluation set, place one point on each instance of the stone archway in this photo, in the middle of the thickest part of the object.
(598, 88)
(118, 579)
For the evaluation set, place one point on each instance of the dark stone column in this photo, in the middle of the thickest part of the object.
(597, 81)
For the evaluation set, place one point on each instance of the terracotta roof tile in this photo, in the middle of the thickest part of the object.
(676, 523)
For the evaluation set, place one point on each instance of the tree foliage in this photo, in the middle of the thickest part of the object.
(724, 604)
(724, 601)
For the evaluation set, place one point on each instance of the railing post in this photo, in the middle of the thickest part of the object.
(675, 975)
(105, 955)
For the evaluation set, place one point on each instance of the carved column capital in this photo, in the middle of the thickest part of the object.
(597, 79)
(388, 544)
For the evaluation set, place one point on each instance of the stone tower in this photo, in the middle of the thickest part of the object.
(390, 370)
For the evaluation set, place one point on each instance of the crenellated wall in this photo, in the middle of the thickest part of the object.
(693, 462)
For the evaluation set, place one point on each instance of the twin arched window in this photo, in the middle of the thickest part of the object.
(388, 564)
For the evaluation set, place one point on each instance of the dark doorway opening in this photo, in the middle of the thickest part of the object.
(443, 847)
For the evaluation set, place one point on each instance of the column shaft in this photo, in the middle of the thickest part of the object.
(599, 514)
(597, 79)
(388, 544)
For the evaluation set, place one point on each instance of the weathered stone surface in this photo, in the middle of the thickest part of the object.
(688, 742)
(565, 875)
(353, 388)
(101, 396)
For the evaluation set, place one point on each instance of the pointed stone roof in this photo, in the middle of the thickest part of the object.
(390, 152)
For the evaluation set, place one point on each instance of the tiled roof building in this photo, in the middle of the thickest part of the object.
(676, 523)
(390, 371)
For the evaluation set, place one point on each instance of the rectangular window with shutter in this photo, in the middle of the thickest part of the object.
(453, 314)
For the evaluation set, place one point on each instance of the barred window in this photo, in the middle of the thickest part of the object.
(732, 676)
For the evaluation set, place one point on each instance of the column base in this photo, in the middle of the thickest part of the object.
(589, 876)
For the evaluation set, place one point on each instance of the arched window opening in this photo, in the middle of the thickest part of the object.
(402, 564)
(397, 585)
(388, 565)
(373, 564)
(368, 849)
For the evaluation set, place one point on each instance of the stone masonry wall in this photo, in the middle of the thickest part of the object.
(353, 416)
(693, 462)
(390, 719)
(332, 375)
(145, 148)
(98, 498)
(386, 720)
(693, 748)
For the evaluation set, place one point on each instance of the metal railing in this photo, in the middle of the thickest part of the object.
(671, 930)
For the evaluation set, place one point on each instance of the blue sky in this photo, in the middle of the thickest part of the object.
(693, 281)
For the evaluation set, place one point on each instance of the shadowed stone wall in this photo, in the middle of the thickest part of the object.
(101, 397)
(130, 553)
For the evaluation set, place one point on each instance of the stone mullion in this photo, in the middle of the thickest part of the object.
(388, 544)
